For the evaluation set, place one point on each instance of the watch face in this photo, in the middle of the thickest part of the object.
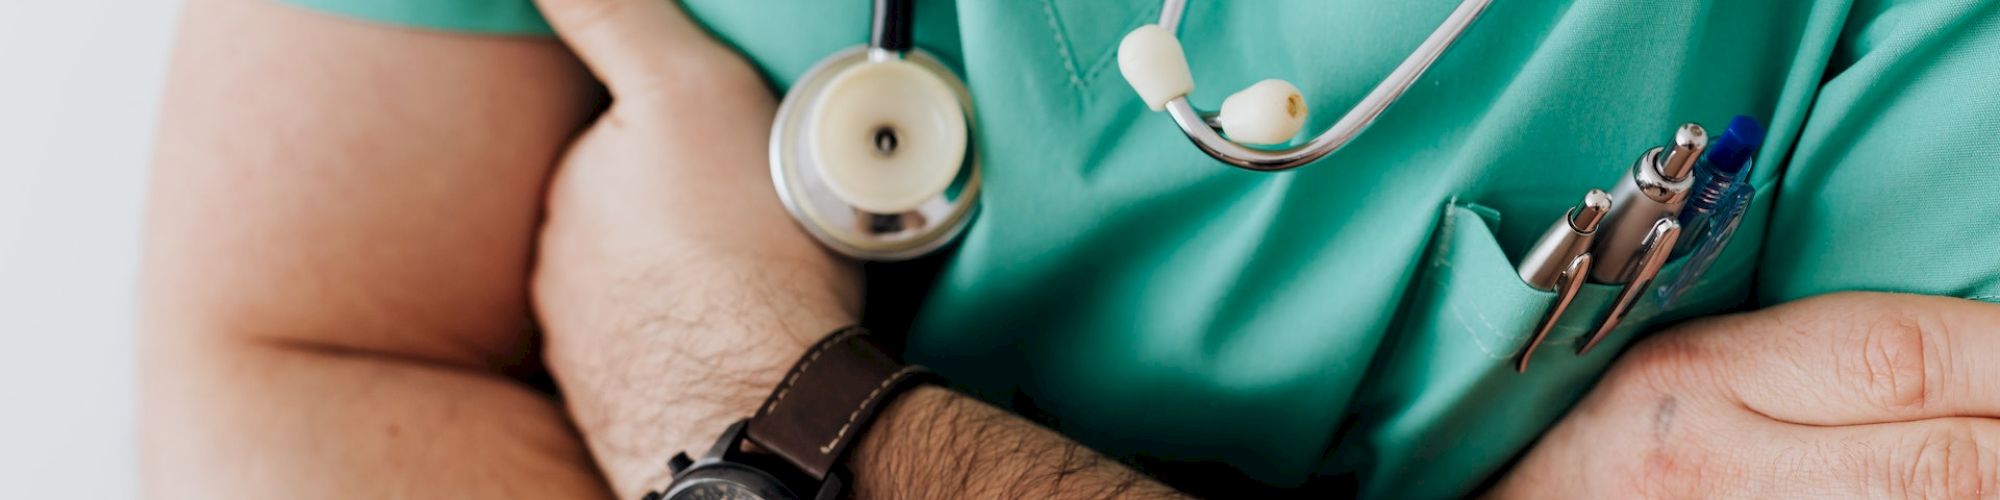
(715, 490)
(727, 481)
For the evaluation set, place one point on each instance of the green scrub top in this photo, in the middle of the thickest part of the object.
(1349, 327)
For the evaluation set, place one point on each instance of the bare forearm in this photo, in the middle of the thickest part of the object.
(258, 420)
(934, 443)
(931, 443)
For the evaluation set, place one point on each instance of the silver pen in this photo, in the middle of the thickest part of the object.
(1655, 187)
(1644, 224)
(1653, 250)
(1567, 238)
(1559, 262)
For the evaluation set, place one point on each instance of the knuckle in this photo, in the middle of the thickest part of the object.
(1946, 461)
(1891, 359)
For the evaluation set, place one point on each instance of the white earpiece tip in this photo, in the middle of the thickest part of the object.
(1152, 61)
(1269, 112)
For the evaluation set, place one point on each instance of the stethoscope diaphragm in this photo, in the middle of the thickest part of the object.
(871, 153)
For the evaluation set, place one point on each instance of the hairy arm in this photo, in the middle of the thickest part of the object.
(339, 237)
(937, 444)
(658, 352)
(677, 292)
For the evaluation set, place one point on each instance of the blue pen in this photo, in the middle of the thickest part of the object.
(1715, 177)
(1722, 193)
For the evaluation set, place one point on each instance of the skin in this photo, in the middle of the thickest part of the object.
(1852, 395)
(336, 263)
(650, 294)
(338, 277)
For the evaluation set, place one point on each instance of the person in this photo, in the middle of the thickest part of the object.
(354, 228)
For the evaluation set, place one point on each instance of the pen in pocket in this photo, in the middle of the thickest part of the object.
(1560, 262)
(1644, 225)
(1655, 187)
(1569, 237)
(1716, 178)
(1722, 194)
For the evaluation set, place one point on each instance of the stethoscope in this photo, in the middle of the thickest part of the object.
(871, 150)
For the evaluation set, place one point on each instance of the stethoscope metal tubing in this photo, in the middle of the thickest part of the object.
(893, 26)
(1200, 129)
(1170, 14)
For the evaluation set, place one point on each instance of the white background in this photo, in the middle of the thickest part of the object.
(79, 86)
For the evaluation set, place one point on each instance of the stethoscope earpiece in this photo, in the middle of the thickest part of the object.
(871, 150)
(1270, 111)
(1267, 112)
(1154, 64)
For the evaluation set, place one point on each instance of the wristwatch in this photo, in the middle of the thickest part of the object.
(803, 430)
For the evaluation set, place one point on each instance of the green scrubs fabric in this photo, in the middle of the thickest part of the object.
(1350, 326)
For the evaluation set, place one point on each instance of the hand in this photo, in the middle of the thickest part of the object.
(673, 288)
(1840, 396)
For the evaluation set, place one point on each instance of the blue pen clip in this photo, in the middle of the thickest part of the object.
(1709, 241)
(1721, 195)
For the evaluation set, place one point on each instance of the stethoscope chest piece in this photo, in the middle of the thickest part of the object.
(871, 154)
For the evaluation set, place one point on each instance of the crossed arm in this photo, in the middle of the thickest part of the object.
(340, 249)
(338, 243)
(346, 233)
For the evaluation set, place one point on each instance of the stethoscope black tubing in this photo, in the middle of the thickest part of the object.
(894, 21)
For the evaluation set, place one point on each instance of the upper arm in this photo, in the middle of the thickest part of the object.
(339, 236)
(334, 183)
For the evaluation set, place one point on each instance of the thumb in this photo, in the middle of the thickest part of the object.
(633, 46)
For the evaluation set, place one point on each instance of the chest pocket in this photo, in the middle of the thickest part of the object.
(1445, 395)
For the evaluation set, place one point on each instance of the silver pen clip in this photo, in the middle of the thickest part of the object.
(1567, 284)
(1560, 262)
(1638, 276)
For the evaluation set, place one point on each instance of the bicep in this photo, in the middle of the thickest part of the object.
(330, 182)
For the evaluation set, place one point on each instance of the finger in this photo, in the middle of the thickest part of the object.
(1936, 458)
(633, 46)
(1849, 359)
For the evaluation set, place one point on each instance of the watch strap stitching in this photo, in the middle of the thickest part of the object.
(865, 403)
(848, 371)
(786, 387)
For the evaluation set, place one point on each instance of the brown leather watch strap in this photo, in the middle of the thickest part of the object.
(828, 399)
